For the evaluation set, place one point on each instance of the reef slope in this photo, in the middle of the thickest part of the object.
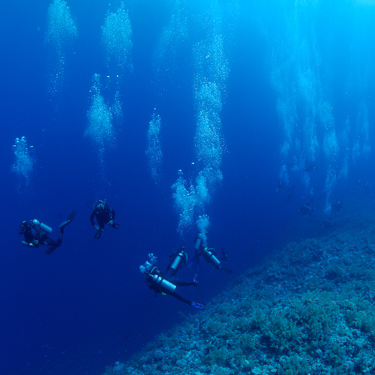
(308, 309)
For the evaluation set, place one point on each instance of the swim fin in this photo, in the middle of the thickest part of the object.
(50, 250)
(227, 270)
(197, 305)
(70, 218)
(98, 233)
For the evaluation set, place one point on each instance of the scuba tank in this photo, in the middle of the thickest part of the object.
(163, 283)
(43, 227)
(198, 241)
(180, 257)
(212, 258)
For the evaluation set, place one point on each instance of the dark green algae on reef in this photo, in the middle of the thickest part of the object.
(308, 309)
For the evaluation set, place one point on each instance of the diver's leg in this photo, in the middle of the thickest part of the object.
(184, 283)
(59, 240)
(51, 245)
(197, 305)
(227, 270)
(50, 250)
(70, 218)
(98, 233)
(180, 298)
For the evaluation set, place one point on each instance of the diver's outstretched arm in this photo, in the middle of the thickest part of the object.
(197, 305)
(227, 270)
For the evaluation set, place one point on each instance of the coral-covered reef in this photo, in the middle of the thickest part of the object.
(309, 309)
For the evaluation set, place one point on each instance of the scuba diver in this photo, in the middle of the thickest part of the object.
(104, 215)
(283, 186)
(336, 206)
(310, 166)
(36, 233)
(368, 189)
(306, 208)
(289, 193)
(157, 282)
(209, 254)
(177, 261)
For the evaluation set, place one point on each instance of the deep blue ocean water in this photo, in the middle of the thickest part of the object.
(87, 305)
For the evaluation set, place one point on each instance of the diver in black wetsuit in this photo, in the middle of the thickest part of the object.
(306, 208)
(36, 233)
(157, 282)
(368, 188)
(104, 215)
(283, 186)
(310, 166)
(209, 254)
(336, 206)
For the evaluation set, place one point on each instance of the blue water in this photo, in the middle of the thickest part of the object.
(87, 305)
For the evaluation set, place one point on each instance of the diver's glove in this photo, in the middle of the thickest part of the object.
(110, 223)
(35, 242)
(24, 243)
(96, 227)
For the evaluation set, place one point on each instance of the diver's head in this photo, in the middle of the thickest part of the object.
(22, 228)
(99, 205)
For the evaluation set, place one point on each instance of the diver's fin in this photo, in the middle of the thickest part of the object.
(197, 305)
(227, 270)
(70, 218)
(98, 233)
(72, 215)
(50, 250)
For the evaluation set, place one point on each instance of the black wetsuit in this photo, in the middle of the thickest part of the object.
(103, 216)
(34, 233)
